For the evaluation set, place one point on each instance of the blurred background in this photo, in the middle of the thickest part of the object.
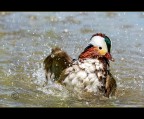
(26, 39)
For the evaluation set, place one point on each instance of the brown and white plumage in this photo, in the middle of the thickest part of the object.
(89, 73)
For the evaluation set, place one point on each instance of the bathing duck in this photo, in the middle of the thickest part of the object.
(90, 72)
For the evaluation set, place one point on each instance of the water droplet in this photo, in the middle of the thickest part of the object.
(141, 77)
(65, 30)
(87, 103)
(122, 58)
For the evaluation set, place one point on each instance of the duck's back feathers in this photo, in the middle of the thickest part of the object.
(56, 62)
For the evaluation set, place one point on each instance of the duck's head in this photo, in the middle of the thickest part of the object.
(99, 45)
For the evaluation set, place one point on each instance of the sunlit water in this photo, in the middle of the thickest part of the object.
(26, 38)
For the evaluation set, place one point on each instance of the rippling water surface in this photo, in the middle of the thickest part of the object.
(26, 38)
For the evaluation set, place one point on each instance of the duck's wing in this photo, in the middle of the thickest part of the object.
(110, 85)
(55, 63)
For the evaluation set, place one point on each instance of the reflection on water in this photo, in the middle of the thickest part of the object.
(26, 38)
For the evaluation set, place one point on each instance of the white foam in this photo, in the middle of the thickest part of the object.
(40, 76)
(52, 88)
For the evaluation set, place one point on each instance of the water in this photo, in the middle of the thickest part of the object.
(26, 38)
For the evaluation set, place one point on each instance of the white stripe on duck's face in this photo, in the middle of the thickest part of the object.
(99, 42)
(85, 76)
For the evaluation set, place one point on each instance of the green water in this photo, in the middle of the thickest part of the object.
(26, 38)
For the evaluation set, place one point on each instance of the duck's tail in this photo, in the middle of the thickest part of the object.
(55, 63)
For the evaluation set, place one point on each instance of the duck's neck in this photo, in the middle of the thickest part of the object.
(89, 53)
(92, 53)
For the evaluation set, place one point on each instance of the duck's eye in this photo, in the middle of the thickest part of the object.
(100, 48)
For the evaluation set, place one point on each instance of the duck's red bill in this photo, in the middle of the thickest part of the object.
(109, 57)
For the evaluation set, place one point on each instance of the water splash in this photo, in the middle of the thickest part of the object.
(50, 88)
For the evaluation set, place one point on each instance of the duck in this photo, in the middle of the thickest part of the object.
(89, 73)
